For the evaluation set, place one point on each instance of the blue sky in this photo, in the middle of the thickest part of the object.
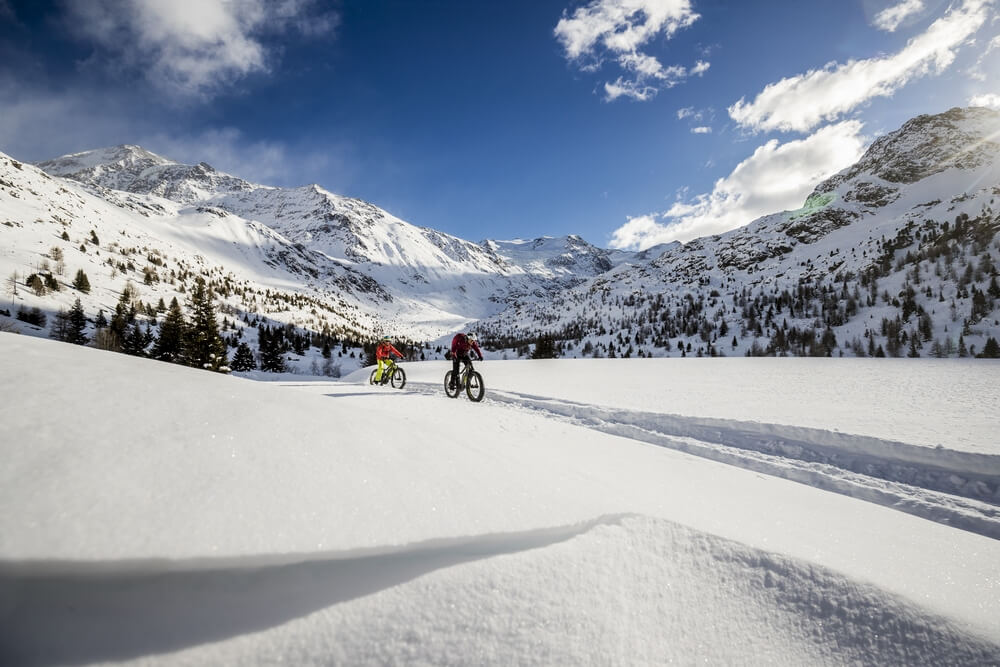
(628, 122)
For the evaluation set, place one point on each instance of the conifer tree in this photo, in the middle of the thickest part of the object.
(243, 359)
(170, 343)
(124, 315)
(81, 283)
(76, 324)
(991, 350)
(269, 346)
(544, 348)
(60, 326)
(135, 340)
(203, 346)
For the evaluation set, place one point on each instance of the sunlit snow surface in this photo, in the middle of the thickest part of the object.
(161, 515)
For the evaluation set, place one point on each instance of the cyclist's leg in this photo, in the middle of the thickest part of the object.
(378, 373)
(454, 370)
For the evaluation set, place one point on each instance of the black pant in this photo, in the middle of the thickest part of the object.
(464, 358)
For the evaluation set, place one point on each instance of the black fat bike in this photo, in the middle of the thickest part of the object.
(469, 379)
(393, 374)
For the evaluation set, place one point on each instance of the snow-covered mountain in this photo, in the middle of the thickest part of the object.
(301, 256)
(414, 264)
(908, 235)
(895, 255)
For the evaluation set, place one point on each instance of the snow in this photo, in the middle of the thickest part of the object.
(151, 513)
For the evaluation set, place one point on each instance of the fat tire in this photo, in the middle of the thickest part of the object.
(398, 378)
(451, 393)
(371, 378)
(475, 387)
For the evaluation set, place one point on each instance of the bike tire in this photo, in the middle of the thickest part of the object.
(398, 378)
(475, 387)
(451, 393)
(371, 378)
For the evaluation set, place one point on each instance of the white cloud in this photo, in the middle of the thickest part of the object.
(192, 47)
(40, 124)
(226, 149)
(700, 67)
(987, 100)
(633, 89)
(776, 177)
(701, 129)
(892, 17)
(637, 232)
(984, 63)
(802, 102)
(617, 29)
(685, 112)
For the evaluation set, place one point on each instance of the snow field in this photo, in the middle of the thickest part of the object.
(221, 520)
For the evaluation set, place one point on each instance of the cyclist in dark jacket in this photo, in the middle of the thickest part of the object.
(461, 344)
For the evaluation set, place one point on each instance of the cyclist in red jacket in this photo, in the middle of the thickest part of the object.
(383, 354)
(461, 344)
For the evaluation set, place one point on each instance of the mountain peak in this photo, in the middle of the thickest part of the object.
(963, 138)
(103, 160)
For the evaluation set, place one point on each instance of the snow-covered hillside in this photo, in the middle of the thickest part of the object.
(896, 255)
(423, 269)
(558, 522)
(338, 271)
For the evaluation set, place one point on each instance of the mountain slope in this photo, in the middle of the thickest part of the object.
(417, 265)
(894, 256)
(908, 235)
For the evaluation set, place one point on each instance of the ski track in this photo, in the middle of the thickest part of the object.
(959, 489)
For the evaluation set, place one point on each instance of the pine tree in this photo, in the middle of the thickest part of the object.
(243, 359)
(203, 346)
(272, 359)
(991, 350)
(170, 343)
(60, 326)
(76, 321)
(544, 348)
(124, 315)
(81, 283)
(135, 340)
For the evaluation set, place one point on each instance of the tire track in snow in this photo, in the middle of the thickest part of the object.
(959, 489)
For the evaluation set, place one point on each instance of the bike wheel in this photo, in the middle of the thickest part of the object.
(451, 392)
(398, 379)
(475, 387)
(371, 378)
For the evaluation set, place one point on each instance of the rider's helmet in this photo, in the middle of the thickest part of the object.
(472, 337)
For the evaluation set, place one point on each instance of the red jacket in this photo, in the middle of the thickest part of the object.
(386, 350)
(460, 346)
